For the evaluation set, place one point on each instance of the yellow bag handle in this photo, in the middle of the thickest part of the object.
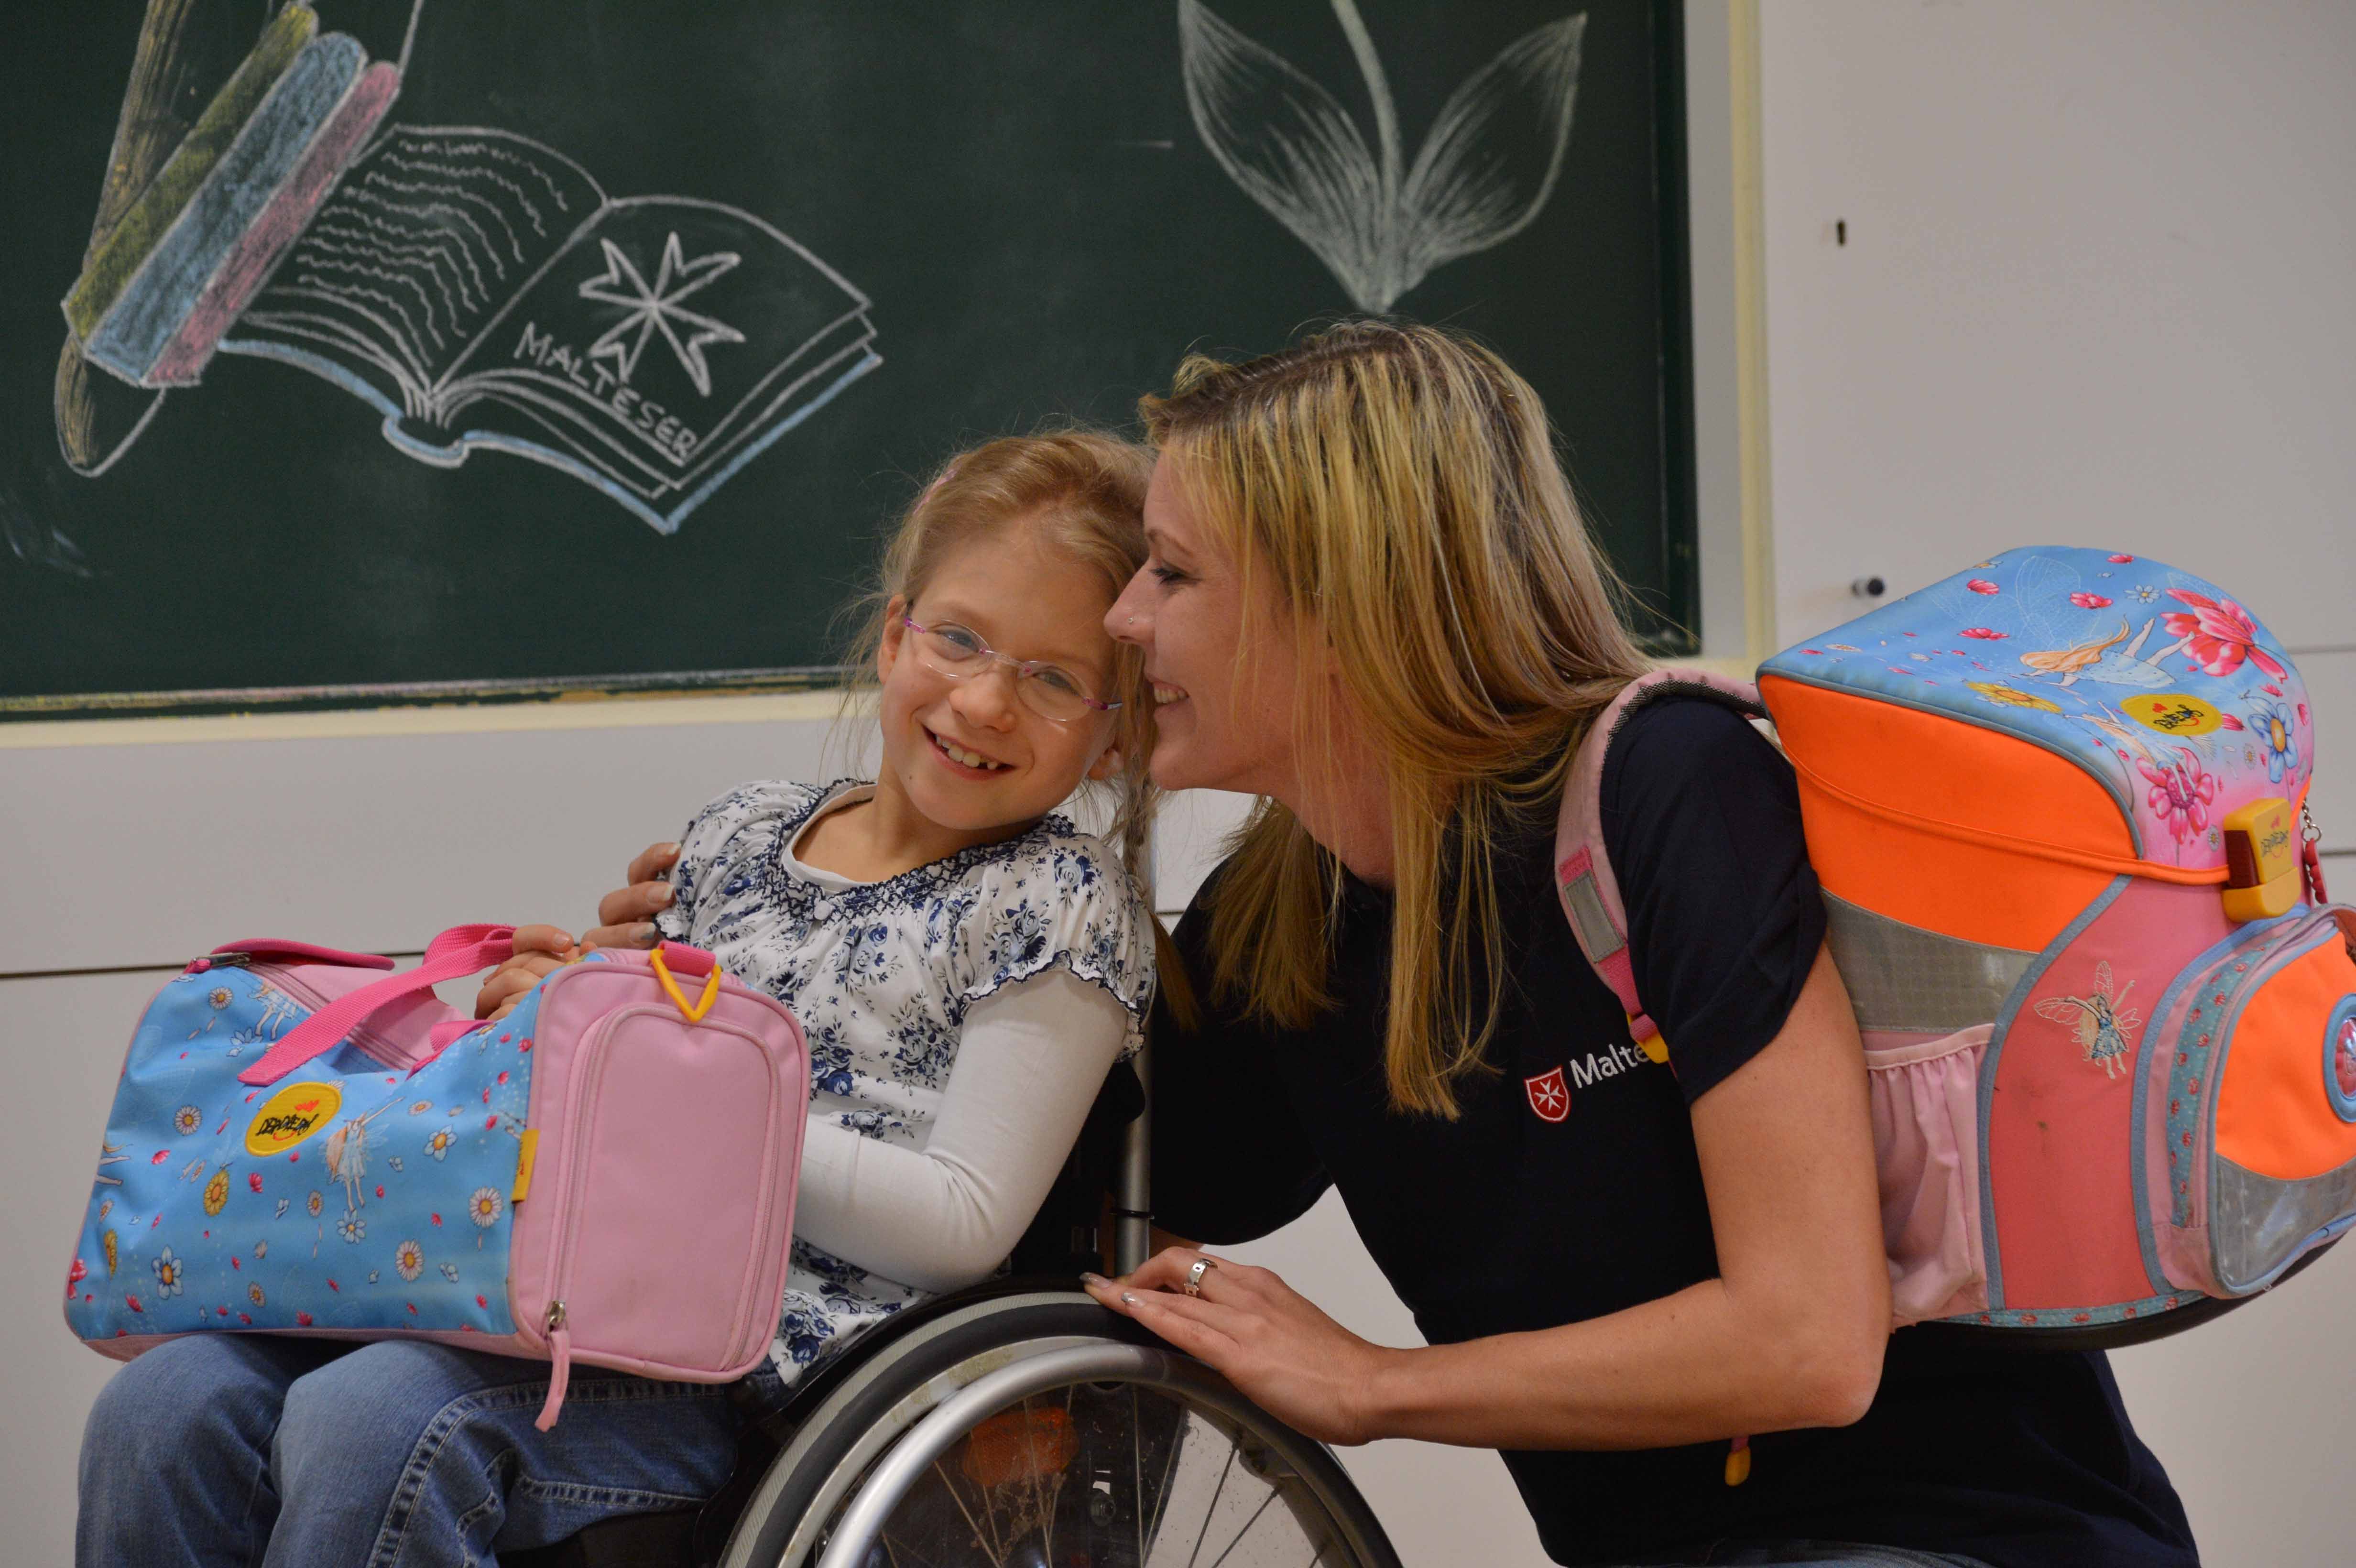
(694, 1013)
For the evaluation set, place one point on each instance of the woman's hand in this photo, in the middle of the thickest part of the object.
(539, 952)
(625, 916)
(1253, 1329)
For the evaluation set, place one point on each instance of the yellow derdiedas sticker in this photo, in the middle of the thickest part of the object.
(291, 1114)
(2173, 713)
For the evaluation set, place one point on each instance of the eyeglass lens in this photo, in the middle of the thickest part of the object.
(1048, 690)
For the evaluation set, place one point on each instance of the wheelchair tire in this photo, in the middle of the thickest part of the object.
(1165, 1407)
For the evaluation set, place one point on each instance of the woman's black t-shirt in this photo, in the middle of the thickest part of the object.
(1524, 1213)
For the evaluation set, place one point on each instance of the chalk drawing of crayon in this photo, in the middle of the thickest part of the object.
(153, 303)
(185, 53)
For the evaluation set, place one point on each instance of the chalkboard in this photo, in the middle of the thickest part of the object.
(422, 351)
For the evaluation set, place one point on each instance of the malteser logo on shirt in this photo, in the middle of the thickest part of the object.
(1550, 1091)
(1548, 1098)
(1601, 1064)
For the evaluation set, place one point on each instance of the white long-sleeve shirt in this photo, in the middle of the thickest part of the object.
(1029, 1063)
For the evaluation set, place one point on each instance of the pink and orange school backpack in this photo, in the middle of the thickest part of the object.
(2057, 805)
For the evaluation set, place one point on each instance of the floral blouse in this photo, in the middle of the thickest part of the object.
(880, 975)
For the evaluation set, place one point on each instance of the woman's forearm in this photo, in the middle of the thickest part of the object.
(1689, 1368)
(1790, 1334)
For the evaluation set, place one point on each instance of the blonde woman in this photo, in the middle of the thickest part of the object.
(1370, 601)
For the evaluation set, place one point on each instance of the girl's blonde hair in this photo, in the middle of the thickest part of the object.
(1081, 494)
(1399, 488)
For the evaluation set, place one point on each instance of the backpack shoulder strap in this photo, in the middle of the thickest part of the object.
(1582, 867)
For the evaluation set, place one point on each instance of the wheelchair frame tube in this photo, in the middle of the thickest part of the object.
(1133, 1230)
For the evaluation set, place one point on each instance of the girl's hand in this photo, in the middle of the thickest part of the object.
(625, 916)
(539, 952)
(1297, 1363)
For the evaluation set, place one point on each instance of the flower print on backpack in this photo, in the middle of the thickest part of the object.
(485, 1208)
(2099, 1023)
(2278, 735)
(2216, 636)
(2182, 793)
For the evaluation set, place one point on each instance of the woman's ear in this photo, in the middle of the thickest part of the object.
(1107, 766)
(887, 647)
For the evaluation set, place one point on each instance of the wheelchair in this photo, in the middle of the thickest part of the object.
(1018, 1424)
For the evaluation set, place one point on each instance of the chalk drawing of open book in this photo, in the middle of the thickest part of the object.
(475, 287)
(1380, 226)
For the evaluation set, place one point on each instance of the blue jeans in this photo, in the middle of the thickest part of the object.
(243, 1450)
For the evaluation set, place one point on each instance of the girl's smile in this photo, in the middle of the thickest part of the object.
(965, 758)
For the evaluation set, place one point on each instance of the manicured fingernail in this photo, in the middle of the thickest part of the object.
(1092, 1279)
(1127, 1299)
(659, 898)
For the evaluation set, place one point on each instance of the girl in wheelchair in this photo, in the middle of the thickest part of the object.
(966, 966)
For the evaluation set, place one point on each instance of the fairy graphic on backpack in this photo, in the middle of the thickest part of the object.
(347, 1155)
(2099, 1023)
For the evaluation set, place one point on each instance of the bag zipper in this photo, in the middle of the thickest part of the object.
(286, 977)
(556, 1333)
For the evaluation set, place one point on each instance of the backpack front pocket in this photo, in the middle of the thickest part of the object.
(2253, 1139)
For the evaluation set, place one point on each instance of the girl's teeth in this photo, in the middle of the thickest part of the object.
(970, 759)
(1163, 694)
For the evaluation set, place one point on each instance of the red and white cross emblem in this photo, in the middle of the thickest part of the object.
(1549, 1095)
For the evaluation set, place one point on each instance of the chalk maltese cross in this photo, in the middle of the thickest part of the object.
(656, 309)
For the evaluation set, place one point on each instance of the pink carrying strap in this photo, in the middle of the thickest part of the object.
(460, 951)
(1582, 867)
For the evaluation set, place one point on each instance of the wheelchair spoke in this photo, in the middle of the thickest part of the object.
(988, 1544)
(1046, 1512)
(1202, 1531)
(1137, 1474)
(1162, 1496)
(1238, 1540)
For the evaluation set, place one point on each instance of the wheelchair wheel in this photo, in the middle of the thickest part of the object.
(1036, 1430)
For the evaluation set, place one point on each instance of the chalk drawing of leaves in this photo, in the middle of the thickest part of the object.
(1482, 175)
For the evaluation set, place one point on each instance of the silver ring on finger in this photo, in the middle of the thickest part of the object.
(1194, 1285)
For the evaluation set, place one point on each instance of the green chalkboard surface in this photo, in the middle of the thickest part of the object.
(412, 351)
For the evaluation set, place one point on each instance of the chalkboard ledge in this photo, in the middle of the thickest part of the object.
(599, 713)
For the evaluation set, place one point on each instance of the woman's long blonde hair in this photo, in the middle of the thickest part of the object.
(1398, 488)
